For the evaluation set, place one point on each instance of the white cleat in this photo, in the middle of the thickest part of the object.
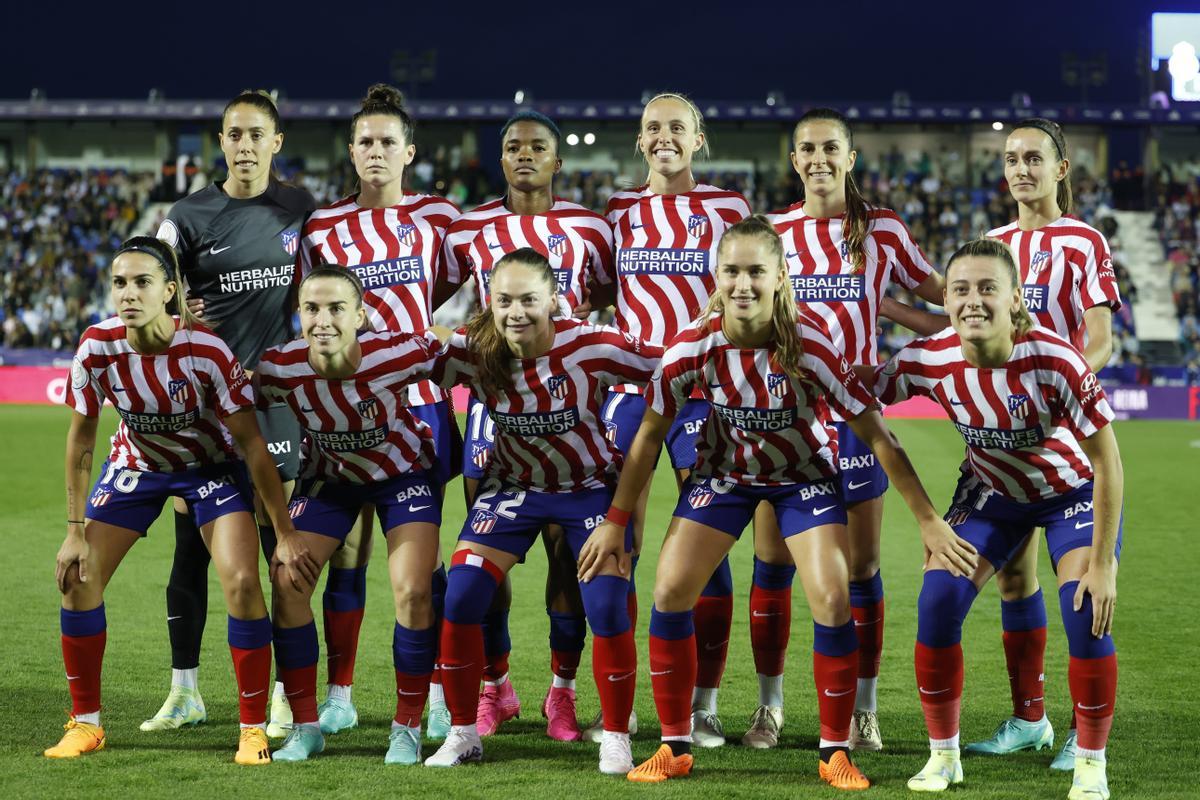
(941, 770)
(280, 723)
(594, 732)
(765, 725)
(864, 732)
(462, 746)
(1091, 781)
(616, 756)
(707, 730)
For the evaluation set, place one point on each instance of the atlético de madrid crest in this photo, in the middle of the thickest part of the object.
(290, 241)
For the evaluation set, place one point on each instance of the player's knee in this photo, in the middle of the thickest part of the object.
(942, 606)
(1014, 583)
(831, 601)
(604, 601)
(412, 599)
(1078, 624)
(864, 567)
(243, 591)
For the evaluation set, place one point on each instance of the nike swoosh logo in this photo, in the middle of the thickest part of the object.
(409, 694)
(626, 676)
(417, 508)
(494, 246)
(854, 485)
(169, 619)
(1091, 708)
(837, 694)
(460, 666)
(858, 624)
(636, 227)
(765, 613)
(939, 691)
(716, 646)
(1079, 525)
(73, 677)
(347, 244)
(306, 410)
(954, 402)
(225, 499)
(118, 389)
(819, 511)
(253, 694)
(212, 251)
(664, 672)
(792, 255)
(279, 466)
(293, 694)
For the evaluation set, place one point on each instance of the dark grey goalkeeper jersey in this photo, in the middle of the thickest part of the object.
(239, 256)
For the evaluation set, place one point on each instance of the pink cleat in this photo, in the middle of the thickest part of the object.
(498, 703)
(559, 710)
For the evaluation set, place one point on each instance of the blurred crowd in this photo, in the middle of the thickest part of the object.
(1177, 219)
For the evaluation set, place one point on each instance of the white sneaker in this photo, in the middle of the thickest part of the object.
(707, 730)
(942, 769)
(594, 732)
(764, 728)
(280, 724)
(1090, 782)
(462, 746)
(864, 732)
(616, 757)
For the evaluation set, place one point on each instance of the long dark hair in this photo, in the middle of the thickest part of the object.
(1055, 132)
(857, 220)
(489, 350)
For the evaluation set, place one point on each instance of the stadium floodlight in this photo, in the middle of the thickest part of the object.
(997, 125)
(589, 138)
(776, 98)
(572, 139)
(522, 97)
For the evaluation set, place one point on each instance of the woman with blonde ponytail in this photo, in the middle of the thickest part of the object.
(1067, 280)
(768, 372)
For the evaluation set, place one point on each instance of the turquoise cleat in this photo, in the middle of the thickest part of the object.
(1065, 760)
(302, 742)
(404, 746)
(337, 716)
(185, 707)
(439, 722)
(1015, 735)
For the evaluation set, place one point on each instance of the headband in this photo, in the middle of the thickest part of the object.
(137, 248)
(1045, 127)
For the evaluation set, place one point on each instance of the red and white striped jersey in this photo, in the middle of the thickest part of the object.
(577, 241)
(357, 429)
(765, 428)
(549, 436)
(1021, 422)
(395, 252)
(667, 255)
(171, 403)
(824, 280)
(1066, 268)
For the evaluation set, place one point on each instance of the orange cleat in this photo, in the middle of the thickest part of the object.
(662, 765)
(252, 748)
(80, 738)
(840, 773)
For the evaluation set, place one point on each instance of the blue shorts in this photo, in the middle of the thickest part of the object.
(447, 442)
(331, 509)
(862, 477)
(622, 416)
(729, 508)
(508, 518)
(129, 498)
(480, 440)
(998, 526)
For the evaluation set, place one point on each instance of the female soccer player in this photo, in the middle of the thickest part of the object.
(392, 241)
(1040, 453)
(1069, 287)
(842, 255)
(180, 393)
(769, 378)
(578, 244)
(365, 446)
(666, 234)
(236, 241)
(543, 379)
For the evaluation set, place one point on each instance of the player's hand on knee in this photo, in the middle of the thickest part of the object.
(1101, 584)
(944, 549)
(292, 556)
(606, 541)
(71, 563)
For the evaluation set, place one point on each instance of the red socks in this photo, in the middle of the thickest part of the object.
(940, 683)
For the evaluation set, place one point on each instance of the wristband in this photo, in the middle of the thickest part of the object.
(617, 516)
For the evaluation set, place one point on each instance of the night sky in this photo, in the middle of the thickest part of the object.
(831, 51)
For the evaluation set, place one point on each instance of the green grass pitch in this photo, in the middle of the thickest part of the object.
(1153, 752)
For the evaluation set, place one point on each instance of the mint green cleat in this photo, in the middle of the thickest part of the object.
(439, 722)
(182, 707)
(1015, 735)
(404, 745)
(1065, 760)
(941, 771)
(337, 716)
(302, 742)
(1090, 782)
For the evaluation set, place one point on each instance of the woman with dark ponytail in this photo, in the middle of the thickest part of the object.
(392, 240)
(842, 255)
(1068, 283)
(236, 241)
